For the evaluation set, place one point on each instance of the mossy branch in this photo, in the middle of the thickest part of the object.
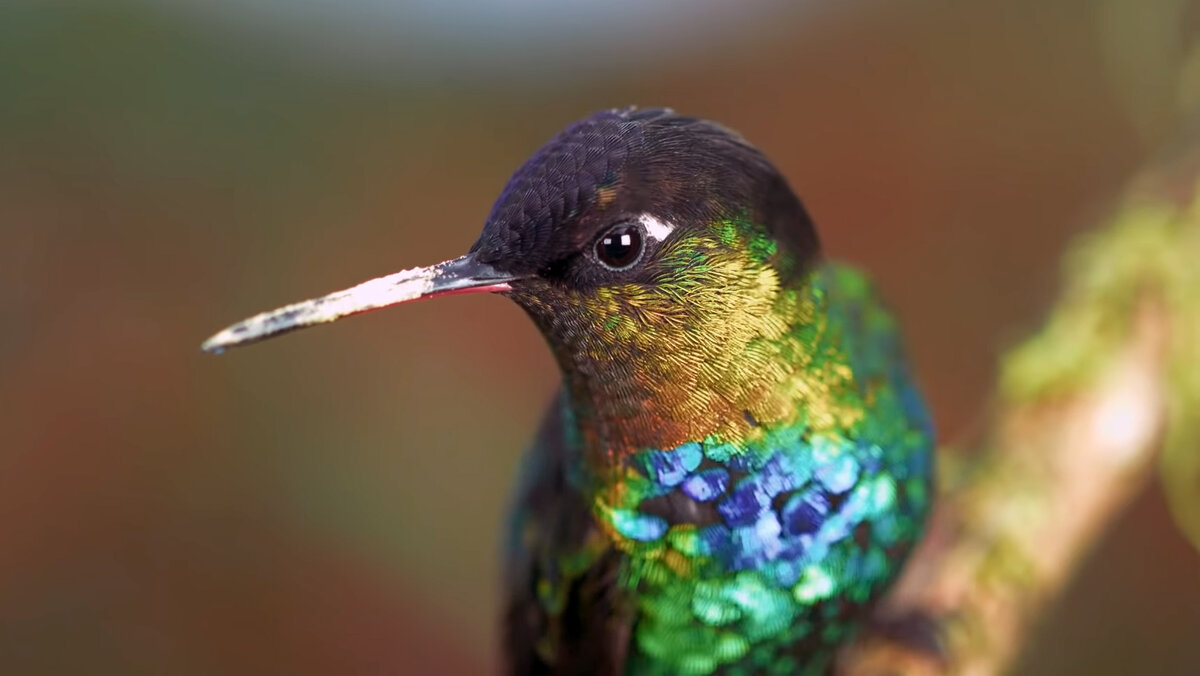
(1083, 410)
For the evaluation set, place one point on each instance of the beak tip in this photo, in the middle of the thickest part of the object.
(214, 345)
(226, 338)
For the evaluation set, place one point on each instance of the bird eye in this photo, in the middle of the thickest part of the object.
(620, 247)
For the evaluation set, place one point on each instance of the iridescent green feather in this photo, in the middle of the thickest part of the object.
(791, 497)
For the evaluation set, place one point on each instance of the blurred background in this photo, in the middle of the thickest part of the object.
(331, 502)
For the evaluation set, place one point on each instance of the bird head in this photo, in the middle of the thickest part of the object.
(654, 252)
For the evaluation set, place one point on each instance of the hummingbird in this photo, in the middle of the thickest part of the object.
(738, 460)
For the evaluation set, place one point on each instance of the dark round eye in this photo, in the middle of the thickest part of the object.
(620, 247)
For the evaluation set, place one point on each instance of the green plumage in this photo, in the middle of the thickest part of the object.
(751, 543)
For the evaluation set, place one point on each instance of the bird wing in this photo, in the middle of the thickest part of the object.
(565, 612)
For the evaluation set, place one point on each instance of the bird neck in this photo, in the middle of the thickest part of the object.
(732, 338)
(779, 371)
(713, 374)
(753, 355)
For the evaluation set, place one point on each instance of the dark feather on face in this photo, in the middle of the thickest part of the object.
(619, 164)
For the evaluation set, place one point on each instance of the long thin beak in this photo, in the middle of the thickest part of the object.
(461, 275)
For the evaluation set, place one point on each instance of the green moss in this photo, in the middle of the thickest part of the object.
(1150, 249)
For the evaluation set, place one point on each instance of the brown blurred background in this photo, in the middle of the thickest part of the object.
(330, 502)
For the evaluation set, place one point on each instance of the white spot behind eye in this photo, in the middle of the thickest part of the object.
(657, 229)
